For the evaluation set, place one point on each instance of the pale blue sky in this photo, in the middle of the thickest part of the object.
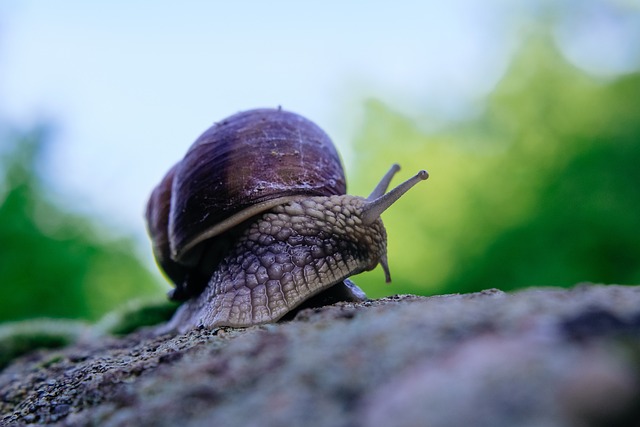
(131, 84)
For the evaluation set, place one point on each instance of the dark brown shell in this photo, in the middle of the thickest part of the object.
(238, 168)
(157, 216)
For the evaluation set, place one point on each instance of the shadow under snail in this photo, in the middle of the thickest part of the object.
(254, 222)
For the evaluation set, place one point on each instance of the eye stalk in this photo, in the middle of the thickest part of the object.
(378, 201)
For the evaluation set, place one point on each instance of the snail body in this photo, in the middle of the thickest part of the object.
(254, 222)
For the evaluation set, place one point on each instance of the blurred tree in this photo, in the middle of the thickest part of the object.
(53, 263)
(539, 189)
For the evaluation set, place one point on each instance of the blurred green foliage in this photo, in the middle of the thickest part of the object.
(541, 188)
(54, 263)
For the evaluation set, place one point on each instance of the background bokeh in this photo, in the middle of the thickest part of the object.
(526, 114)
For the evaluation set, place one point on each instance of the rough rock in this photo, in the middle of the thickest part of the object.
(539, 357)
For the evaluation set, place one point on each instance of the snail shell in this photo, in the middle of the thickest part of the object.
(245, 165)
(237, 168)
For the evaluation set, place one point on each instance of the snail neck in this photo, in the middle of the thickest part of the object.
(286, 256)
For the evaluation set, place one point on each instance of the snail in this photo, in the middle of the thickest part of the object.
(254, 222)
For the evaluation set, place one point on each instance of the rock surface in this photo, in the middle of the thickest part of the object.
(539, 357)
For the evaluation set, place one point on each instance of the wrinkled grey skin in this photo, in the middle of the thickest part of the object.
(289, 254)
